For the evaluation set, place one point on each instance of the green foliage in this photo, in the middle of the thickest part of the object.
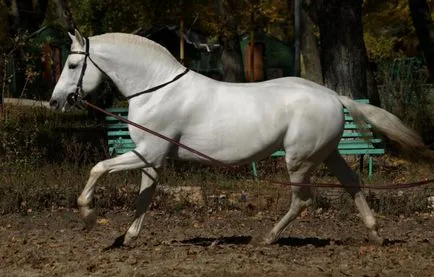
(380, 47)
(97, 16)
(389, 30)
(247, 15)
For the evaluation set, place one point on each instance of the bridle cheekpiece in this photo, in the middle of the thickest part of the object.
(78, 94)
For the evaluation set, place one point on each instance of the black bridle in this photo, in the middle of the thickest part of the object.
(78, 94)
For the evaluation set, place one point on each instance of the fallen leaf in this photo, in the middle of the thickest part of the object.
(103, 221)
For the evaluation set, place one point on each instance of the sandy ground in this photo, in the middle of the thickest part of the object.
(191, 243)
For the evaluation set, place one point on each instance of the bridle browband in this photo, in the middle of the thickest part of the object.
(78, 94)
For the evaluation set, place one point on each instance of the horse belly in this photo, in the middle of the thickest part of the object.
(233, 147)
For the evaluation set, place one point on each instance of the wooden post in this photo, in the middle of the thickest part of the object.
(252, 56)
(181, 41)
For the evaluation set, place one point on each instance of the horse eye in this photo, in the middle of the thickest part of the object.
(72, 65)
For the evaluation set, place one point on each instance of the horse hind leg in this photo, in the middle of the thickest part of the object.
(299, 172)
(348, 178)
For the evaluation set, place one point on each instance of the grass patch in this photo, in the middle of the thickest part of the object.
(51, 186)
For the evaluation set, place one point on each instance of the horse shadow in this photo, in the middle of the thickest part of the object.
(209, 241)
(313, 241)
(285, 241)
(243, 240)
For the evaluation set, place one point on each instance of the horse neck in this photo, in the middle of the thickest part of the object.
(135, 68)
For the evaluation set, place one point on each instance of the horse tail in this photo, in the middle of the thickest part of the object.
(387, 124)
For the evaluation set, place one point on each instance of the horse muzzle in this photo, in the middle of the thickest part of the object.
(54, 104)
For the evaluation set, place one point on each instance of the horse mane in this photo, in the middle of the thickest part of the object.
(146, 44)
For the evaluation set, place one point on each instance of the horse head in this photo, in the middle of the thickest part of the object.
(79, 77)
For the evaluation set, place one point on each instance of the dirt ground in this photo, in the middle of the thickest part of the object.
(188, 243)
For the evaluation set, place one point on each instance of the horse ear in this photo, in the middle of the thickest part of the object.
(79, 37)
(71, 36)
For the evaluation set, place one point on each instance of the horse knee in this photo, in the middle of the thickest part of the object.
(98, 169)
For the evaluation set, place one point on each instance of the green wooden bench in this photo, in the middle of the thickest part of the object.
(118, 137)
(352, 143)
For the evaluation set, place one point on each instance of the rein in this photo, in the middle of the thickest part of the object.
(277, 182)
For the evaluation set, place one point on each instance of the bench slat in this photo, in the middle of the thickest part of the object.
(353, 126)
(118, 133)
(118, 110)
(278, 153)
(120, 140)
(360, 141)
(356, 146)
(110, 119)
(118, 151)
(346, 135)
(373, 151)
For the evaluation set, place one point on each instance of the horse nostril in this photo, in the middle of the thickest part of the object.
(54, 104)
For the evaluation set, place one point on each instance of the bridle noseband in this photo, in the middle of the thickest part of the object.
(78, 94)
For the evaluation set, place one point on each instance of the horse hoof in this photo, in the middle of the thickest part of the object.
(123, 241)
(268, 240)
(376, 239)
(89, 217)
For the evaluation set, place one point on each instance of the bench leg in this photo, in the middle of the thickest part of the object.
(371, 166)
(255, 170)
(361, 164)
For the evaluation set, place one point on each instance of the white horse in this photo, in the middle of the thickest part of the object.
(235, 123)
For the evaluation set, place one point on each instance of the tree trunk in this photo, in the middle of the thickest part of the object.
(371, 84)
(309, 49)
(297, 37)
(65, 15)
(4, 35)
(232, 62)
(424, 26)
(342, 47)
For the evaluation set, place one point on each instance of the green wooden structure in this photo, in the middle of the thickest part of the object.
(353, 142)
(278, 56)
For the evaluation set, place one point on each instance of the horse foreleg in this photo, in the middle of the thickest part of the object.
(348, 178)
(129, 160)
